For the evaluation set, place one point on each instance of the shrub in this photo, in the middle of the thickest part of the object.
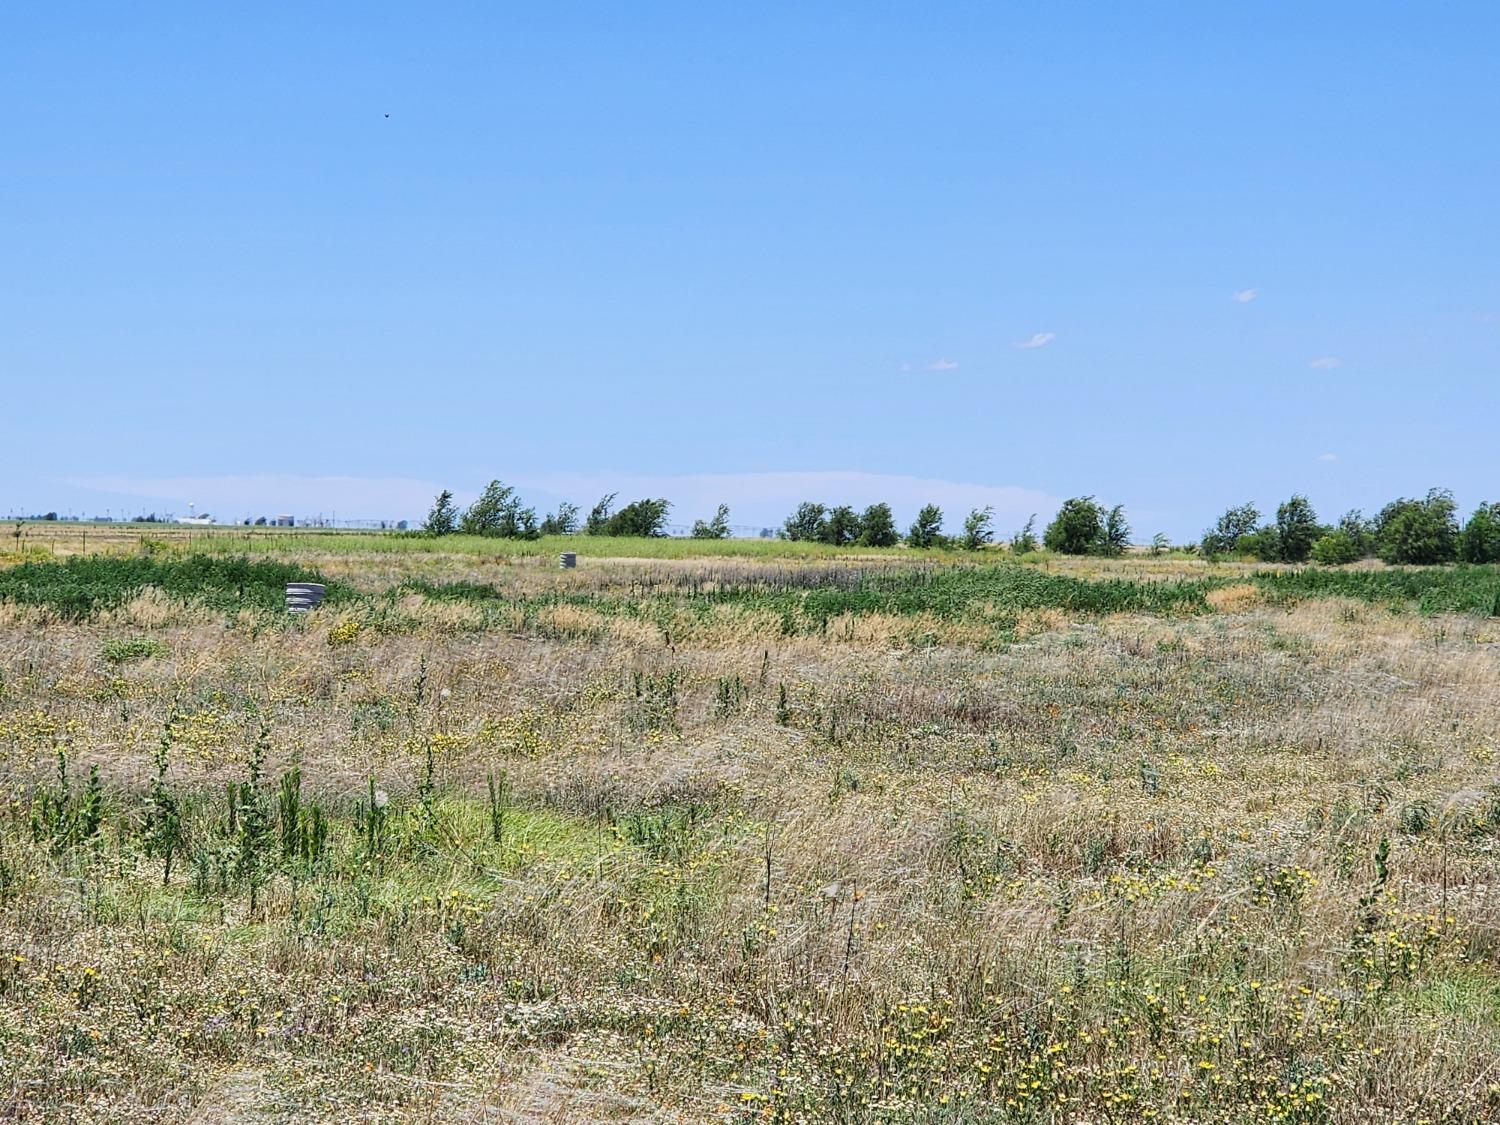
(926, 530)
(879, 526)
(1233, 525)
(1077, 529)
(1336, 548)
(716, 528)
(1481, 537)
(806, 524)
(444, 516)
(1419, 532)
(1296, 529)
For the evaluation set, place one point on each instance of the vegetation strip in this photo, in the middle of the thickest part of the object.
(81, 586)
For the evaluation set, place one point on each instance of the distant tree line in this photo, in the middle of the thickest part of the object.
(1405, 531)
(499, 513)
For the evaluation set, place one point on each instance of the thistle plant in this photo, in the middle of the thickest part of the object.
(289, 813)
(164, 832)
(499, 800)
(372, 819)
(57, 816)
(253, 838)
(303, 827)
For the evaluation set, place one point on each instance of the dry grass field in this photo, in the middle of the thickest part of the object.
(765, 838)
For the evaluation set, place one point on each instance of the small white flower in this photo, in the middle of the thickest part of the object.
(382, 798)
(445, 693)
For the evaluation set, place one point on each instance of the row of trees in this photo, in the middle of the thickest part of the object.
(1425, 531)
(842, 526)
(1406, 531)
(499, 513)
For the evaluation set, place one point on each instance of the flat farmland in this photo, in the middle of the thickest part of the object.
(767, 834)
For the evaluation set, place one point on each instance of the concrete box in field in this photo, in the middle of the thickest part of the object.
(569, 559)
(303, 596)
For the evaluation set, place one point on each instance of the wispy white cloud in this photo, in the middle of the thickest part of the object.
(1037, 340)
(1328, 456)
(943, 365)
(1245, 296)
(1326, 363)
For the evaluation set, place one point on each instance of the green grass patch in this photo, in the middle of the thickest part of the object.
(1468, 993)
(807, 598)
(122, 650)
(1431, 589)
(79, 587)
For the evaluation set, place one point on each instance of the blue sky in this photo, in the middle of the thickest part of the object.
(1175, 255)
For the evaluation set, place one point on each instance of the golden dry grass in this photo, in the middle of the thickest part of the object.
(1238, 866)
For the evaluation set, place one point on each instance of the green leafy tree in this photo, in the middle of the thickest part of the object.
(487, 515)
(716, 528)
(1236, 523)
(1418, 532)
(1116, 532)
(1077, 529)
(1335, 549)
(1481, 537)
(1353, 524)
(926, 530)
(1296, 529)
(598, 518)
(641, 519)
(444, 516)
(1024, 542)
(564, 521)
(1160, 545)
(521, 524)
(979, 528)
(842, 526)
(878, 526)
(806, 524)
(499, 514)
(1263, 543)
